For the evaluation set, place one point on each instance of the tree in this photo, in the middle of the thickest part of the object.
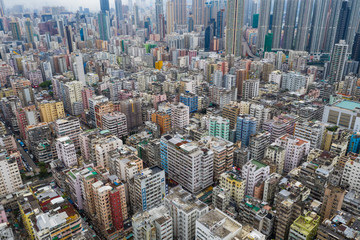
(45, 84)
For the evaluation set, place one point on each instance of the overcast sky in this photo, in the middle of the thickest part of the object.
(94, 5)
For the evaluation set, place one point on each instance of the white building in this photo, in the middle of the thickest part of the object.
(294, 81)
(350, 175)
(147, 189)
(70, 127)
(310, 131)
(250, 89)
(184, 210)
(103, 148)
(10, 178)
(261, 113)
(189, 165)
(154, 222)
(216, 225)
(179, 116)
(65, 149)
(254, 172)
(295, 150)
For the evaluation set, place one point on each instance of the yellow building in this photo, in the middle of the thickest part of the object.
(50, 111)
(233, 181)
(6, 92)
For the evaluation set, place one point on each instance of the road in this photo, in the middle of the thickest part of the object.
(27, 158)
(23, 153)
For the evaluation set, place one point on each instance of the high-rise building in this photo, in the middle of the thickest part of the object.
(119, 12)
(70, 127)
(163, 120)
(147, 189)
(180, 12)
(337, 62)
(305, 227)
(115, 122)
(79, 68)
(233, 181)
(289, 26)
(186, 209)
(132, 109)
(198, 11)
(250, 89)
(234, 24)
(189, 165)
(318, 30)
(66, 153)
(104, 6)
(69, 38)
(276, 155)
(179, 116)
(219, 127)
(51, 111)
(264, 19)
(332, 201)
(170, 16)
(258, 144)
(155, 222)
(29, 31)
(350, 178)
(159, 12)
(304, 24)
(10, 178)
(245, 127)
(311, 131)
(212, 225)
(15, 30)
(277, 22)
(254, 172)
(343, 22)
(353, 26)
(104, 25)
(296, 149)
(356, 48)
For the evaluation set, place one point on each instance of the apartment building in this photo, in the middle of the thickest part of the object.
(179, 116)
(10, 178)
(190, 165)
(295, 150)
(70, 127)
(184, 209)
(276, 155)
(257, 145)
(116, 123)
(310, 131)
(147, 189)
(233, 181)
(155, 223)
(66, 152)
(50, 111)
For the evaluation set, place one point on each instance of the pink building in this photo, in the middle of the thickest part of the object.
(3, 218)
(158, 99)
(295, 150)
(35, 77)
(86, 93)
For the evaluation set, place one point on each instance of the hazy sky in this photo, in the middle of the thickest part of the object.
(94, 5)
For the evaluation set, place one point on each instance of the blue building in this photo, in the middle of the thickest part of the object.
(163, 152)
(245, 127)
(354, 143)
(191, 101)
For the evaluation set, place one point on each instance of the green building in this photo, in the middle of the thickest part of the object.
(268, 42)
(305, 227)
(219, 127)
(255, 22)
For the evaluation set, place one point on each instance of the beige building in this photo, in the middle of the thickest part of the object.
(51, 111)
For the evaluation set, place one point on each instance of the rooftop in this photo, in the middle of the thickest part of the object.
(349, 105)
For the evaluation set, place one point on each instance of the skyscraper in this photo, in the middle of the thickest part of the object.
(337, 62)
(264, 18)
(235, 18)
(119, 13)
(290, 20)
(159, 11)
(104, 6)
(356, 48)
(304, 24)
(170, 16)
(343, 22)
(331, 25)
(104, 26)
(180, 12)
(15, 30)
(29, 31)
(198, 11)
(353, 26)
(220, 23)
(69, 38)
(277, 21)
(2, 8)
(319, 24)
